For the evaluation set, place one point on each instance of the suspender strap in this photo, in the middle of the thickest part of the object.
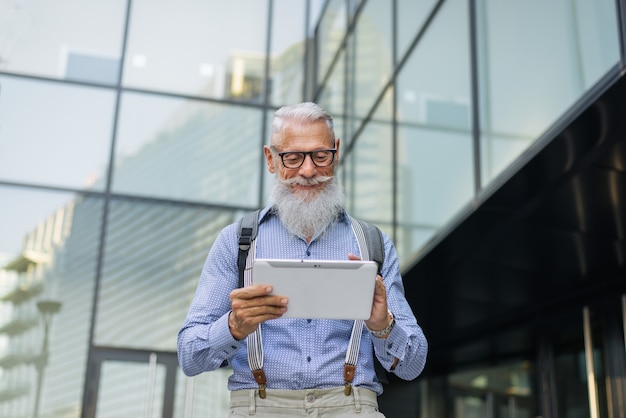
(254, 340)
(352, 354)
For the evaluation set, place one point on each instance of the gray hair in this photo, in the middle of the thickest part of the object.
(307, 112)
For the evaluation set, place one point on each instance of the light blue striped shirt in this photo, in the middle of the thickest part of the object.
(298, 353)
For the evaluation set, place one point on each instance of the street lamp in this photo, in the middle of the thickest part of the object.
(46, 308)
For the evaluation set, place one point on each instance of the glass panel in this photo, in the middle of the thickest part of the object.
(513, 406)
(435, 180)
(192, 150)
(596, 31)
(369, 174)
(333, 94)
(54, 134)
(410, 17)
(287, 51)
(434, 85)
(130, 389)
(315, 10)
(513, 379)
(372, 66)
(48, 264)
(268, 178)
(186, 47)
(468, 406)
(205, 395)
(332, 29)
(153, 256)
(66, 39)
(529, 77)
(435, 163)
(506, 388)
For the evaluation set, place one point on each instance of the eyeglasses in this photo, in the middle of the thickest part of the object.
(295, 159)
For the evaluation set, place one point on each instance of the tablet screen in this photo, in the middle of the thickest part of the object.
(332, 289)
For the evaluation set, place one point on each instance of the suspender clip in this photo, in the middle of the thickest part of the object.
(347, 388)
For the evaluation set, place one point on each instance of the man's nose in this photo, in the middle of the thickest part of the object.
(307, 169)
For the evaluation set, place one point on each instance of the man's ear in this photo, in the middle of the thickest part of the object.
(337, 141)
(269, 158)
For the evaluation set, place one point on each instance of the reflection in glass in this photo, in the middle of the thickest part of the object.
(371, 65)
(54, 134)
(204, 395)
(125, 392)
(425, 205)
(332, 97)
(190, 150)
(368, 174)
(434, 136)
(528, 78)
(504, 390)
(411, 15)
(332, 29)
(287, 52)
(433, 86)
(52, 39)
(48, 260)
(222, 57)
(153, 256)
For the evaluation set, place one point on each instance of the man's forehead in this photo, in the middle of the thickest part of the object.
(307, 133)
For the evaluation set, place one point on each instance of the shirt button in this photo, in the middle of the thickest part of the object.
(308, 359)
(308, 252)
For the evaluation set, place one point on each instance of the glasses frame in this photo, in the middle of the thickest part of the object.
(333, 152)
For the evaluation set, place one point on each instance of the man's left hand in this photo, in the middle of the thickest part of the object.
(379, 318)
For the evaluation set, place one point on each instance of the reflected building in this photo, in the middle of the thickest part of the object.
(150, 282)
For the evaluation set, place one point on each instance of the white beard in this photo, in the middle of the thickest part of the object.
(305, 214)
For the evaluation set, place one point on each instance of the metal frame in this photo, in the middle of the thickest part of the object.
(101, 354)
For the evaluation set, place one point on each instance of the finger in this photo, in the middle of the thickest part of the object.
(353, 257)
(250, 292)
(261, 313)
(259, 301)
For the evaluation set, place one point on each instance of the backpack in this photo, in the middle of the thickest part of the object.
(370, 240)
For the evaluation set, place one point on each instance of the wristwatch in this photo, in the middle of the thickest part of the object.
(384, 332)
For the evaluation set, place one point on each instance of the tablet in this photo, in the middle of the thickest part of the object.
(331, 289)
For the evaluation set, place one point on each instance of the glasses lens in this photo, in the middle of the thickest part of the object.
(293, 159)
(322, 158)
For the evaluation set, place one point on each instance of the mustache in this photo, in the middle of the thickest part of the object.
(306, 182)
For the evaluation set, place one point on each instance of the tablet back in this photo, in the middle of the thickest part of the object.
(332, 289)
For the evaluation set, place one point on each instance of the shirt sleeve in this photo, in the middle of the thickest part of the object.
(204, 341)
(406, 341)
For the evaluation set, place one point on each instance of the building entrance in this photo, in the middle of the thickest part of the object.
(125, 383)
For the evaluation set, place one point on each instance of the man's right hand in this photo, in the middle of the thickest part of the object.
(252, 305)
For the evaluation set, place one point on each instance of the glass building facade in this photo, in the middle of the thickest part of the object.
(131, 133)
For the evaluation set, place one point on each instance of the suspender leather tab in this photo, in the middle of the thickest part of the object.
(259, 376)
(348, 376)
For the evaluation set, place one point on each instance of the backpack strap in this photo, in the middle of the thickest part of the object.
(248, 226)
(247, 247)
(373, 241)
